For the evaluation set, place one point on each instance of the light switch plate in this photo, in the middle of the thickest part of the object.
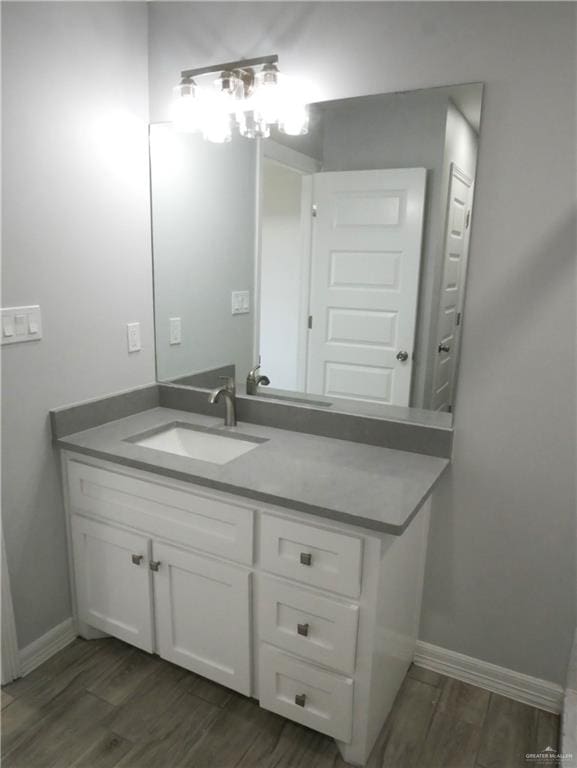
(21, 324)
(133, 337)
(240, 302)
(175, 333)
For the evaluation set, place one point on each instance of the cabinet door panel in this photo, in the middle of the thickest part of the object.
(114, 592)
(202, 616)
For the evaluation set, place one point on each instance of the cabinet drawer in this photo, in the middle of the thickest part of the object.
(307, 624)
(312, 555)
(188, 518)
(306, 694)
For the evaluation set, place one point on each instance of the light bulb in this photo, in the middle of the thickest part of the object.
(184, 109)
(294, 120)
(215, 117)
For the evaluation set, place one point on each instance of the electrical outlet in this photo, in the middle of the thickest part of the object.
(133, 336)
(175, 330)
(240, 302)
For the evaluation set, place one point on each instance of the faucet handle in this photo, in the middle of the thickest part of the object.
(230, 382)
(252, 372)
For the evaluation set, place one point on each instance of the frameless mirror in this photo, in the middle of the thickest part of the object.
(337, 260)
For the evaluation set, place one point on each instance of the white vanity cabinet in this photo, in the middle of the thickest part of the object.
(316, 619)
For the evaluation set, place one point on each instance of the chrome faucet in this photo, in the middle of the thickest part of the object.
(228, 391)
(254, 379)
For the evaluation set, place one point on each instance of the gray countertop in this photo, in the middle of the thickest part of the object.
(364, 485)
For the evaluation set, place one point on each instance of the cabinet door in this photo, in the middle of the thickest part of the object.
(202, 615)
(113, 581)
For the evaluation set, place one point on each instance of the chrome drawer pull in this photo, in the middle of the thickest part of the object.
(300, 699)
(303, 629)
(154, 565)
(137, 559)
(306, 558)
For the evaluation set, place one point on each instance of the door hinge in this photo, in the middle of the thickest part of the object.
(458, 321)
(468, 219)
(314, 212)
(310, 322)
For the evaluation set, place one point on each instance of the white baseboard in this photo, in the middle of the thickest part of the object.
(528, 690)
(46, 646)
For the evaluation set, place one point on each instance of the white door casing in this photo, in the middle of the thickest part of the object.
(203, 616)
(451, 298)
(366, 254)
(113, 581)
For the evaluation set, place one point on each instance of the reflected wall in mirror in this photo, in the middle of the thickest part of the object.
(337, 260)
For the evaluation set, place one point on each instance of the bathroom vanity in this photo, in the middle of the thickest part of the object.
(292, 572)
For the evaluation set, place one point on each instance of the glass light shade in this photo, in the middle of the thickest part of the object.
(185, 109)
(268, 94)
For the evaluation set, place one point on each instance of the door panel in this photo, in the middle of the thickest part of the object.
(364, 283)
(202, 616)
(452, 288)
(113, 581)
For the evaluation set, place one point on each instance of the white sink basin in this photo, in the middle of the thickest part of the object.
(199, 444)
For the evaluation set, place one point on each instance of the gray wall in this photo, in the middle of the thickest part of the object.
(203, 215)
(500, 581)
(75, 240)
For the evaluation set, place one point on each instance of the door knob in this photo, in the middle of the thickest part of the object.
(402, 356)
(444, 348)
(155, 565)
(137, 559)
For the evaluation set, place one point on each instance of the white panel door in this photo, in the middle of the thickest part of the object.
(456, 249)
(113, 581)
(366, 255)
(203, 615)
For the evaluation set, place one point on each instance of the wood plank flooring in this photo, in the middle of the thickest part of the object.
(104, 704)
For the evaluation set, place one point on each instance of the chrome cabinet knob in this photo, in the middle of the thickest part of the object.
(155, 565)
(444, 348)
(300, 699)
(303, 629)
(306, 558)
(137, 559)
(402, 356)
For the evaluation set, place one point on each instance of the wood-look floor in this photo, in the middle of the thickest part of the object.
(102, 703)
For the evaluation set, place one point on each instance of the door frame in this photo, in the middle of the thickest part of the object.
(454, 170)
(305, 166)
(11, 668)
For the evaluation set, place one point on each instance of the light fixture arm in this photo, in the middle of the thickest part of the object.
(229, 66)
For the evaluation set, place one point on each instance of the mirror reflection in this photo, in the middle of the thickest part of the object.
(336, 260)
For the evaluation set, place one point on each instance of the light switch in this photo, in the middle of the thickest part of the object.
(175, 330)
(240, 302)
(8, 326)
(133, 335)
(21, 324)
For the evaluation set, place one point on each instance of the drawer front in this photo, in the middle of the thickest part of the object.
(187, 518)
(306, 694)
(312, 555)
(318, 628)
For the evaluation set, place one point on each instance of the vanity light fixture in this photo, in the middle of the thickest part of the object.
(250, 95)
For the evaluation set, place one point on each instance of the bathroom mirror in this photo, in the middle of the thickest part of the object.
(337, 259)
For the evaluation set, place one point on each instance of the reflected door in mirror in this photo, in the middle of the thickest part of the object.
(366, 255)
